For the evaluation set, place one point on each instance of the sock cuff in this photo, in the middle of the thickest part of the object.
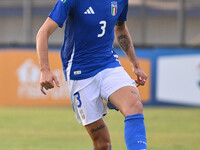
(135, 116)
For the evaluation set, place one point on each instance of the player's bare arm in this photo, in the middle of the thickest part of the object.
(47, 79)
(124, 40)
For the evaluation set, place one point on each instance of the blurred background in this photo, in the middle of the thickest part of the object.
(151, 22)
(166, 36)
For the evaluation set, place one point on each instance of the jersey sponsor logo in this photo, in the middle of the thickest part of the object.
(89, 11)
(113, 8)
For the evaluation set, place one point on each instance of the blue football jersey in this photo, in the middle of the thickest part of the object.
(89, 33)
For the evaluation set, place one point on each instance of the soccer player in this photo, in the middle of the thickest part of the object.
(91, 67)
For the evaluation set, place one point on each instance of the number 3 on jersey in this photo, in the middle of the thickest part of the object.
(103, 28)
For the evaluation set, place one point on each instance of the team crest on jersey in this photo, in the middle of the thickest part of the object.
(113, 8)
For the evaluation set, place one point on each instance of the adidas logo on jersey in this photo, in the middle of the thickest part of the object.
(89, 11)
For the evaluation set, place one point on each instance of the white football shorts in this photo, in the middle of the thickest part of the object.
(87, 95)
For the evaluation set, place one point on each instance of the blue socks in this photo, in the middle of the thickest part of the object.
(134, 132)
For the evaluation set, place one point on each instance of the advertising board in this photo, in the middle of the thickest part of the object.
(178, 79)
(20, 75)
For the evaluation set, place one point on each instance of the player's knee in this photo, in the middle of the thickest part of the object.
(138, 107)
(102, 145)
(135, 108)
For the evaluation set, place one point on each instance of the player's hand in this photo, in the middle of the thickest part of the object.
(141, 76)
(47, 81)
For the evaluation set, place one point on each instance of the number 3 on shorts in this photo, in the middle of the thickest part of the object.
(79, 103)
(103, 28)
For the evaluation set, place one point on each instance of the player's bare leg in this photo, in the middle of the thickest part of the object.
(127, 100)
(99, 134)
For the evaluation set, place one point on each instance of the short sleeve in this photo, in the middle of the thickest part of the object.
(123, 15)
(61, 11)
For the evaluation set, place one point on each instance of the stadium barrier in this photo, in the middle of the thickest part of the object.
(177, 76)
(20, 75)
(173, 77)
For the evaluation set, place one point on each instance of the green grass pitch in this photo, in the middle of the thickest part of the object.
(168, 128)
